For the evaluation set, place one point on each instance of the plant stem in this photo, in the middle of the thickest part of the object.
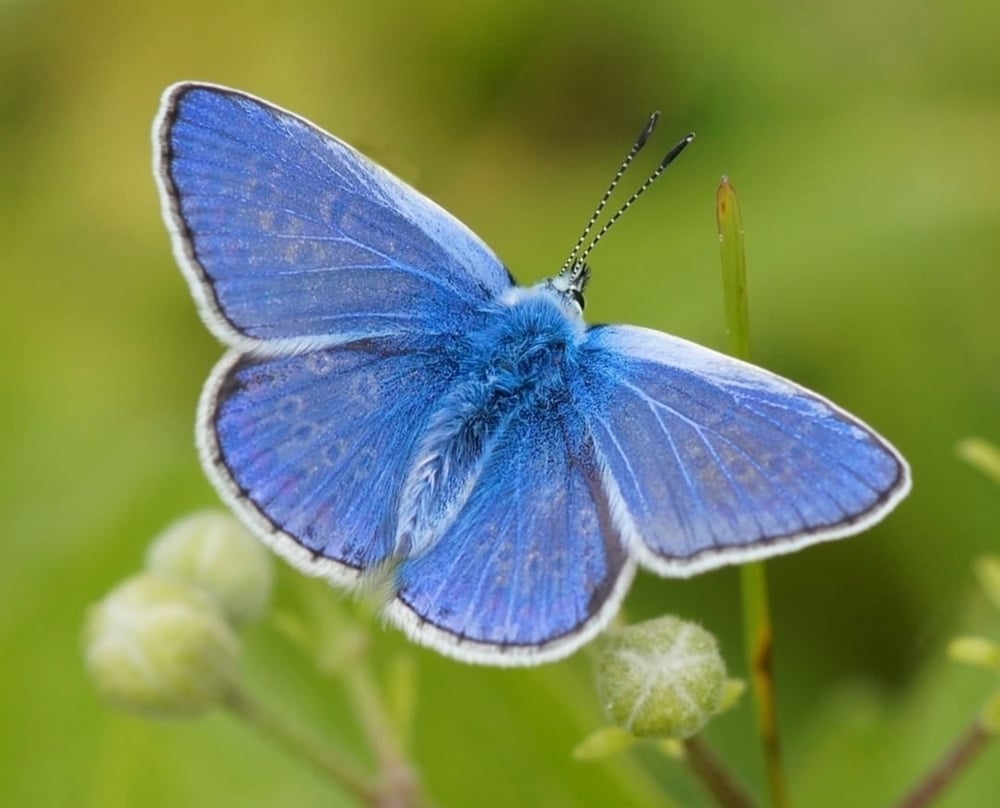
(953, 762)
(714, 775)
(759, 641)
(401, 783)
(759, 638)
(342, 772)
(339, 648)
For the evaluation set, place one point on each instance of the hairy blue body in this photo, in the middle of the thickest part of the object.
(520, 363)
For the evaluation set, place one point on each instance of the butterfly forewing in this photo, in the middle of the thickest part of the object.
(290, 238)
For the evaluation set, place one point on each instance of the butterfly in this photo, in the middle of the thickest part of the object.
(393, 403)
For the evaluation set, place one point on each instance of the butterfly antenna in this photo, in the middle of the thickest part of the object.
(636, 147)
(666, 161)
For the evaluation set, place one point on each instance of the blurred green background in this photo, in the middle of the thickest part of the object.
(862, 138)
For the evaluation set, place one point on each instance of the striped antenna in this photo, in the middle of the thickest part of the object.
(666, 161)
(636, 147)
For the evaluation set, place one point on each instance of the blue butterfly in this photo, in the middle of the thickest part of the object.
(393, 402)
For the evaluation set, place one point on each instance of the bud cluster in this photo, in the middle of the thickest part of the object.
(164, 642)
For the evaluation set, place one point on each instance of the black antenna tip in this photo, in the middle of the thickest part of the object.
(650, 126)
(672, 154)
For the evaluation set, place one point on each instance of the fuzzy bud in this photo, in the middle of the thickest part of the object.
(662, 678)
(213, 551)
(160, 647)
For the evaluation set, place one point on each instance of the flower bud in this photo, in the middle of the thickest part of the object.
(213, 551)
(160, 647)
(661, 678)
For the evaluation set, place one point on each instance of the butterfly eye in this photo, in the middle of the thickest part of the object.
(578, 298)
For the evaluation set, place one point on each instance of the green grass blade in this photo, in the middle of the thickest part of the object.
(758, 636)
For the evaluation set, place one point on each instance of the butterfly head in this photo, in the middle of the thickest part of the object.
(569, 284)
(575, 272)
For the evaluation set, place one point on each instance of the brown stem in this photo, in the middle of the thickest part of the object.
(715, 776)
(955, 760)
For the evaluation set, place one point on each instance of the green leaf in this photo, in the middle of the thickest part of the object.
(976, 651)
(988, 572)
(982, 455)
(603, 743)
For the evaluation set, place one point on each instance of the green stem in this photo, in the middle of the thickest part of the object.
(715, 776)
(399, 777)
(339, 648)
(344, 656)
(759, 638)
(759, 641)
(342, 772)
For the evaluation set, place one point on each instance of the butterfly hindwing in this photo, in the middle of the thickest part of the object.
(290, 238)
(311, 449)
(711, 460)
(532, 566)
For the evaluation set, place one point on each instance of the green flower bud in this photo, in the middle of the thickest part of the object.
(213, 551)
(661, 678)
(160, 647)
